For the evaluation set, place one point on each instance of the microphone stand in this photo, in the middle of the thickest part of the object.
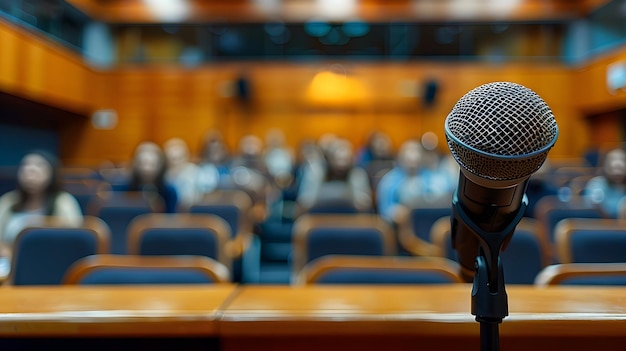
(489, 298)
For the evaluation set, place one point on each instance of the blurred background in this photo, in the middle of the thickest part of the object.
(90, 79)
(292, 101)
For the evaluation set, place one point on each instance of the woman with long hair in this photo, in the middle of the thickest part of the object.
(38, 194)
(148, 174)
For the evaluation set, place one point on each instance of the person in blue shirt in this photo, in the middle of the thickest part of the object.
(418, 179)
(214, 164)
(388, 195)
(607, 190)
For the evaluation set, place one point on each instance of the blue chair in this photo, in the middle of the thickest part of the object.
(118, 208)
(318, 235)
(235, 207)
(160, 234)
(591, 240)
(335, 206)
(134, 270)
(42, 254)
(275, 237)
(344, 269)
(414, 233)
(582, 274)
(550, 209)
(525, 255)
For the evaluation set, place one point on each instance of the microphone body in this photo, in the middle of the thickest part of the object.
(490, 209)
(500, 134)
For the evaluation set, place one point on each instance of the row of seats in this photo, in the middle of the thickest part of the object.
(43, 254)
(48, 253)
(68, 267)
(129, 269)
(426, 233)
(416, 234)
(342, 269)
(119, 208)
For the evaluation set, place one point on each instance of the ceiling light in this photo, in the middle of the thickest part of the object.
(169, 10)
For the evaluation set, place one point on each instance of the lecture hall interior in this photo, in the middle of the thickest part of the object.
(285, 175)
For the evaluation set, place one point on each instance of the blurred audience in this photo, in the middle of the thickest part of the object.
(310, 158)
(214, 164)
(436, 182)
(341, 181)
(248, 170)
(378, 147)
(607, 190)
(420, 178)
(279, 158)
(181, 173)
(147, 174)
(390, 201)
(442, 170)
(38, 194)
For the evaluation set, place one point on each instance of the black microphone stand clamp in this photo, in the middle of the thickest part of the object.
(489, 298)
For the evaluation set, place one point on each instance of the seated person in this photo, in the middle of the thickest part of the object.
(248, 170)
(389, 197)
(278, 158)
(214, 164)
(340, 182)
(377, 148)
(609, 188)
(181, 172)
(38, 194)
(420, 178)
(148, 175)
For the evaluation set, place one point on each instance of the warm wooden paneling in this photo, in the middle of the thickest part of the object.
(592, 5)
(592, 94)
(158, 102)
(34, 68)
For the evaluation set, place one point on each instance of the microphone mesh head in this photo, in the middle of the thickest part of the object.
(501, 131)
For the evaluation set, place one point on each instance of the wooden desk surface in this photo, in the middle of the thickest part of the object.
(425, 310)
(423, 317)
(118, 311)
(318, 317)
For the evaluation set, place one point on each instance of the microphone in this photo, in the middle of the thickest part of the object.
(500, 134)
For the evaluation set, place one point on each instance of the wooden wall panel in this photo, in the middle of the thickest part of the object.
(9, 58)
(37, 69)
(159, 102)
(591, 94)
(591, 97)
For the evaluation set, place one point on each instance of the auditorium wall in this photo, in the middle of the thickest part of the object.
(157, 102)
